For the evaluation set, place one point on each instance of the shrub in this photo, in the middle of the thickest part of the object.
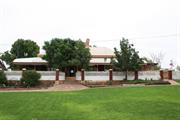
(3, 79)
(30, 78)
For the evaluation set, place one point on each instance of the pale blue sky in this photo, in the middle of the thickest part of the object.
(99, 20)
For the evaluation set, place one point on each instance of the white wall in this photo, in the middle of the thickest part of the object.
(148, 75)
(104, 76)
(176, 75)
(96, 75)
(121, 75)
(13, 75)
(45, 75)
(78, 75)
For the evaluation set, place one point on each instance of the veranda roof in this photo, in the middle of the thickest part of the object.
(30, 61)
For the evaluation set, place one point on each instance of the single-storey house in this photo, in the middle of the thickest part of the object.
(100, 61)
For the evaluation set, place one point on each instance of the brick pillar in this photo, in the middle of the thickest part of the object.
(136, 75)
(170, 74)
(57, 74)
(82, 74)
(161, 74)
(110, 74)
(24, 69)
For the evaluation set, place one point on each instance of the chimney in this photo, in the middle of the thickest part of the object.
(87, 43)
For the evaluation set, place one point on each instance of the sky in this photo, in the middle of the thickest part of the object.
(153, 26)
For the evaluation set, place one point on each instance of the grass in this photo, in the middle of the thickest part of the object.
(126, 103)
(178, 81)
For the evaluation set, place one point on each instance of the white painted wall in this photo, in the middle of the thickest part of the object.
(45, 75)
(93, 75)
(96, 75)
(176, 75)
(148, 75)
(78, 75)
(13, 75)
(121, 75)
(104, 76)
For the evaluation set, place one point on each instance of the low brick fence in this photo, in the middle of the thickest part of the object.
(45, 75)
(105, 77)
(116, 76)
(48, 78)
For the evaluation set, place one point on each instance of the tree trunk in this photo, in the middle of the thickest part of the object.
(136, 75)
(126, 75)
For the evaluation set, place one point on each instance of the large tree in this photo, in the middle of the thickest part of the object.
(21, 49)
(63, 53)
(24, 48)
(127, 59)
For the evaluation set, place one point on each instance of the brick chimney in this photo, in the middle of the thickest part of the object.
(87, 43)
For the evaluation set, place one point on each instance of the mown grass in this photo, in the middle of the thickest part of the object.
(178, 81)
(126, 103)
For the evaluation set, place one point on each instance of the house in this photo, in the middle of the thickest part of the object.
(100, 61)
(101, 57)
(36, 63)
(148, 66)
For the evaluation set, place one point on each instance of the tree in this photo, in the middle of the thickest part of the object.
(24, 48)
(30, 78)
(20, 49)
(8, 57)
(127, 59)
(3, 78)
(63, 53)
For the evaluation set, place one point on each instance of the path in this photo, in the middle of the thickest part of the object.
(67, 87)
(60, 87)
(172, 82)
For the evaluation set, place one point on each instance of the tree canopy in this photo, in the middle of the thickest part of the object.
(21, 49)
(62, 53)
(127, 59)
(24, 48)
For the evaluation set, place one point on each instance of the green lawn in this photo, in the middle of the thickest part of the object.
(125, 103)
(178, 81)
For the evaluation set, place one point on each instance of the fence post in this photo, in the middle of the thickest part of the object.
(170, 74)
(23, 70)
(161, 74)
(110, 75)
(57, 74)
(82, 74)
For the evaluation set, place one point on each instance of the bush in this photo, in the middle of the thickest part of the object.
(30, 78)
(3, 79)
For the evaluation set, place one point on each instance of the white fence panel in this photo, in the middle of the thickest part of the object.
(96, 75)
(148, 75)
(121, 75)
(13, 75)
(176, 75)
(78, 75)
(45, 75)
